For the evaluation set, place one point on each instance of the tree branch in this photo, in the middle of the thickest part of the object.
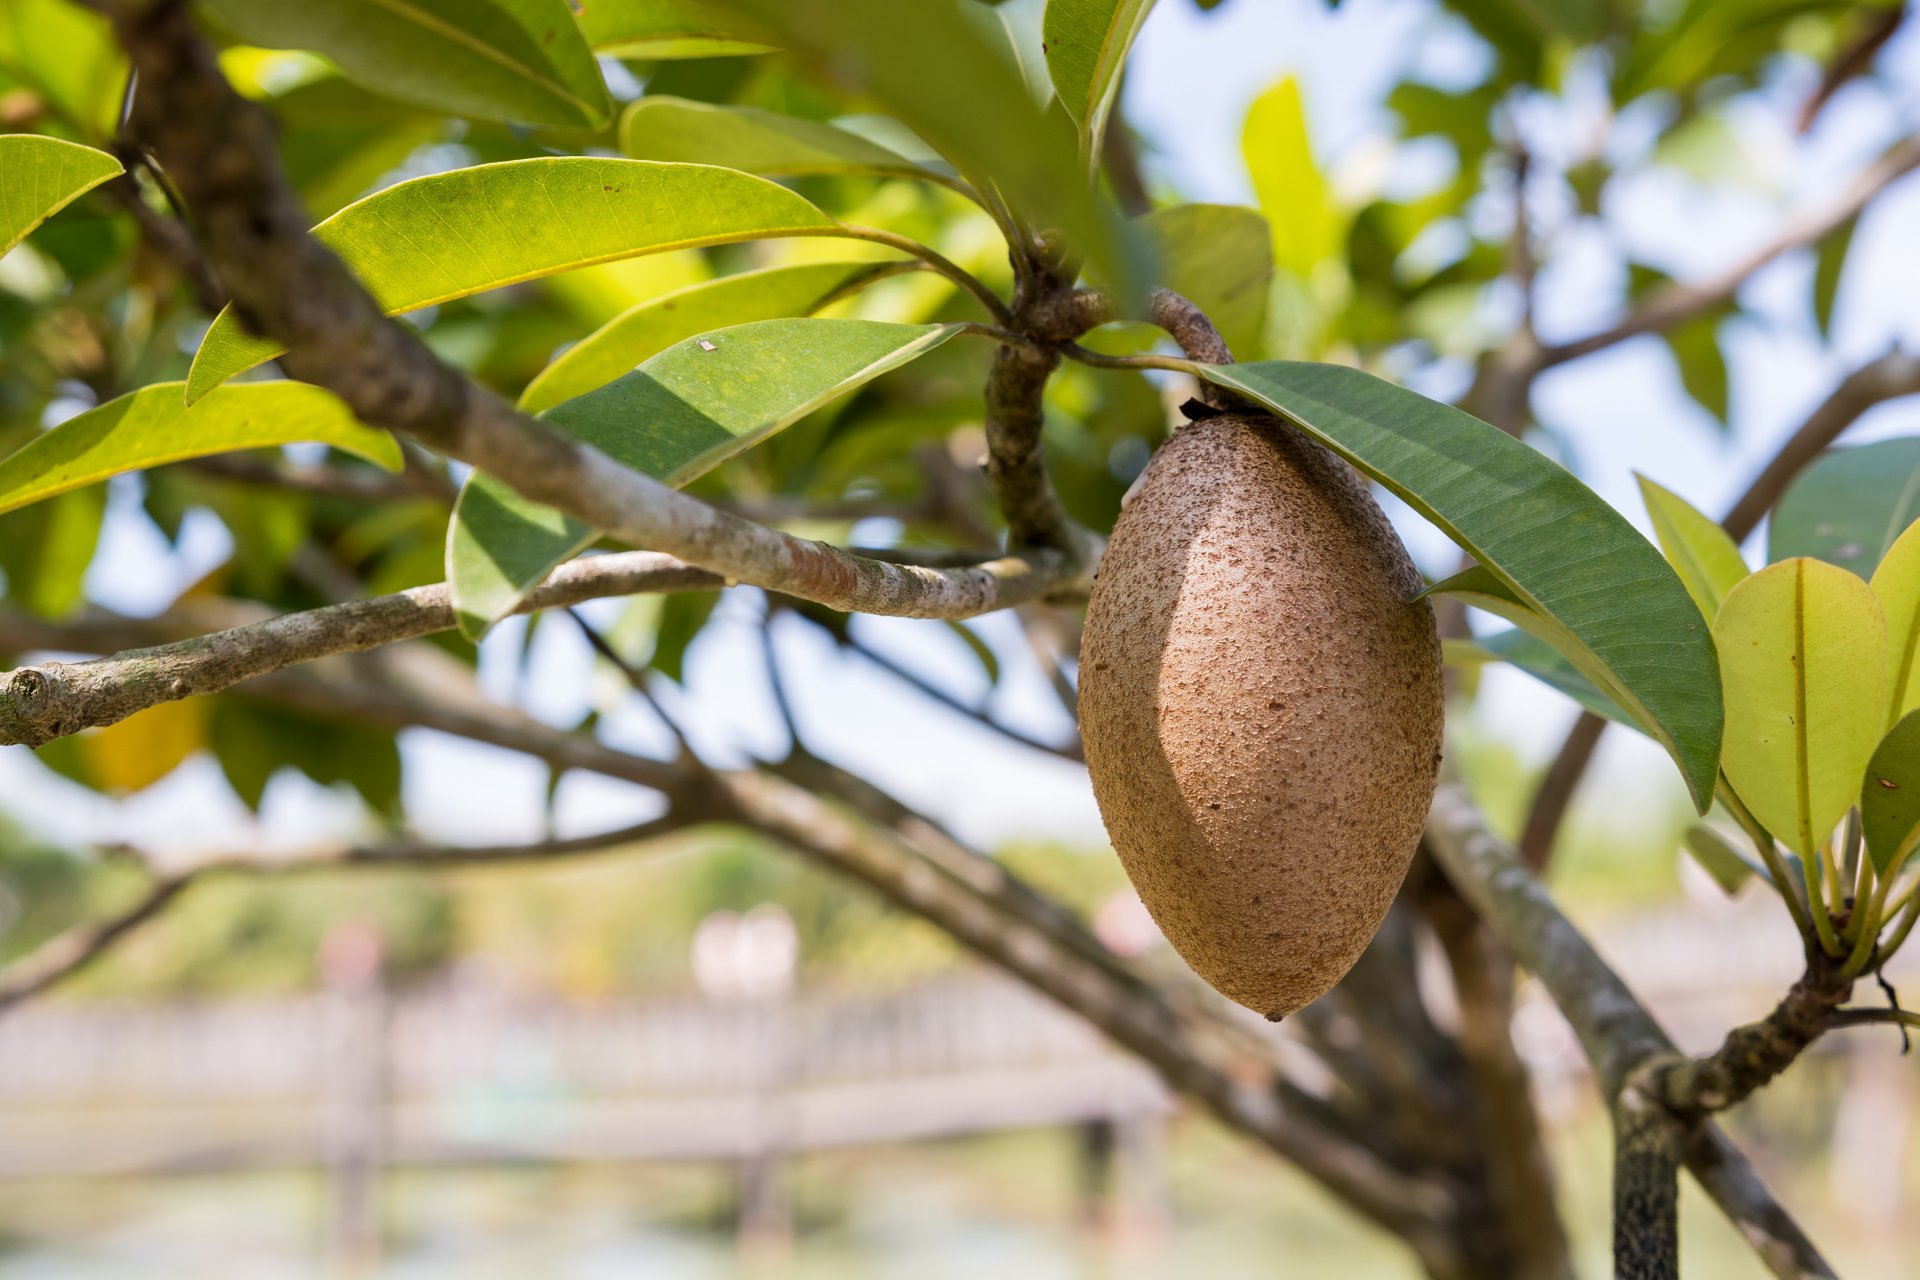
(66, 954)
(220, 150)
(40, 704)
(1618, 1036)
(1675, 303)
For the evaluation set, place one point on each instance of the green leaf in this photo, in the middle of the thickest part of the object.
(1708, 561)
(953, 83)
(680, 414)
(518, 60)
(1086, 43)
(68, 56)
(665, 29)
(1533, 654)
(46, 548)
(1292, 191)
(1546, 537)
(1703, 368)
(1890, 797)
(682, 616)
(645, 330)
(44, 176)
(450, 235)
(755, 141)
(1219, 256)
(1896, 584)
(151, 426)
(1722, 858)
(253, 742)
(1803, 654)
(1830, 260)
(1849, 506)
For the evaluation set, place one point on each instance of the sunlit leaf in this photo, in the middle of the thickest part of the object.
(1849, 506)
(1803, 656)
(642, 331)
(1890, 797)
(1896, 584)
(1292, 191)
(1086, 43)
(664, 29)
(154, 425)
(1565, 554)
(682, 413)
(754, 141)
(1220, 256)
(67, 55)
(519, 60)
(43, 176)
(450, 235)
(1707, 560)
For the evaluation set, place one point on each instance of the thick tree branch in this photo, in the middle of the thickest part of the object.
(220, 150)
(1617, 1034)
(40, 704)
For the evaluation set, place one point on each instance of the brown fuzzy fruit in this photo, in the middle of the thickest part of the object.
(1260, 697)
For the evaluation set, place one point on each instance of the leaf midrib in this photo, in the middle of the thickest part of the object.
(1803, 786)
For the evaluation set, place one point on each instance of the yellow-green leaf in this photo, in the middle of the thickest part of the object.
(665, 29)
(41, 177)
(1708, 561)
(1291, 189)
(1890, 797)
(154, 425)
(518, 60)
(451, 235)
(1802, 661)
(1896, 584)
(1086, 45)
(145, 747)
(640, 332)
(768, 143)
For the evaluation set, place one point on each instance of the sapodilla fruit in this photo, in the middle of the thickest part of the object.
(1261, 703)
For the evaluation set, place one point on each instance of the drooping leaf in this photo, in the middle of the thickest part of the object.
(43, 176)
(1220, 256)
(1707, 560)
(1830, 260)
(755, 141)
(518, 60)
(1703, 368)
(1849, 506)
(253, 742)
(450, 235)
(682, 413)
(1086, 43)
(1528, 652)
(153, 425)
(1896, 584)
(1565, 554)
(945, 78)
(645, 330)
(1722, 858)
(1292, 191)
(1803, 656)
(665, 29)
(1890, 797)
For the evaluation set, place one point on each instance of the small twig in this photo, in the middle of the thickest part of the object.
(66, 954)
(636, 680)
(943, 265)
(1066, 751)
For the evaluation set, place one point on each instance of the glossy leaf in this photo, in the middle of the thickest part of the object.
(1723, 859)
(1890, 797)
(1561, 551)
(451, 235)
(643, 331)
(683, 412)
(1700, 551)
(1896, 584)
(1086, 43)
(754, 141)
(665, 29)
(1849, 506)
(518, 60)
(1220, 256)
(1803, 655)
(153, 425)
(44, 176)
(1293, 192)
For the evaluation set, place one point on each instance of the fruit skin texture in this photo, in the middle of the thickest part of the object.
(1261, 703)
